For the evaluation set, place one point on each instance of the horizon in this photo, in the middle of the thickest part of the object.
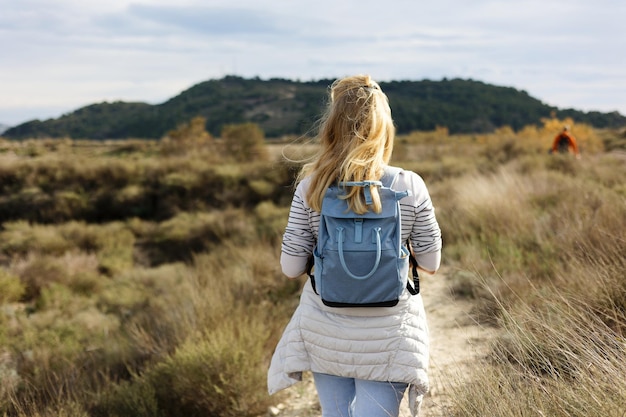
(61, 55)
(265, 79)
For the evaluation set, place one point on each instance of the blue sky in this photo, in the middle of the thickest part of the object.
(59, 55)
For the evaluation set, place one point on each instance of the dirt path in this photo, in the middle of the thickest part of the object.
(457, 343)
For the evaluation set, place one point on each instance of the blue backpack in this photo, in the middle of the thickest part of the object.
(360, 259)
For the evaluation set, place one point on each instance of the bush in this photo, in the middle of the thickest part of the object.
(180, 237)
(11, 288)
(271, 221)
(244, 142)
(127, 398)
(207, 375)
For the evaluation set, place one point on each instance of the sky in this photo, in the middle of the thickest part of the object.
(59, 55)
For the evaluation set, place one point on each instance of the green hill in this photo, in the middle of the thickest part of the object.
(283, 107)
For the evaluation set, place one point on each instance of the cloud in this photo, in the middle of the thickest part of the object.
(67, 53)
(220, 22)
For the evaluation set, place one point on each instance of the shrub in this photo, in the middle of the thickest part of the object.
(20, 237)
(188, 233)
(11, 287)
(271, 220)
(194, 130)
(127, 398)
(244, 142)
(207, 375)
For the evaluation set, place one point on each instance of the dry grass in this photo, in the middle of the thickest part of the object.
(138, 278)
(541, 251)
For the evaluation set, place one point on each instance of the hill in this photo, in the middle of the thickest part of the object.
(284, 107)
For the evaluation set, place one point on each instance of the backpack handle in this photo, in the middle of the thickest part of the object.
(366, 188)
(343, 261)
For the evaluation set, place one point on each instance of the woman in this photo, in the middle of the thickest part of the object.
(362, 359)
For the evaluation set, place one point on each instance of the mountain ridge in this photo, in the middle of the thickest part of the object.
(286, 107)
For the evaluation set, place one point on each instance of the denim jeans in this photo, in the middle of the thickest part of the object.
(349, 397)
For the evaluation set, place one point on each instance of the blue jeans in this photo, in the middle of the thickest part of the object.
(349, 397)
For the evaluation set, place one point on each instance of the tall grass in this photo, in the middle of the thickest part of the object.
(559, 359)
(542, 252)
(142, 278)
(95, 185)
(123, 264)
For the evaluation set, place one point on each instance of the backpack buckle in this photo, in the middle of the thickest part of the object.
(358, 230)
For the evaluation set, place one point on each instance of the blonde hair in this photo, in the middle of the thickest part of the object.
(356, 141)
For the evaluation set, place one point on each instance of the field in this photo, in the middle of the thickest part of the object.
(141, 278)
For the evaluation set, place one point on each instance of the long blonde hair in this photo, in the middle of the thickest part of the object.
(356, 141)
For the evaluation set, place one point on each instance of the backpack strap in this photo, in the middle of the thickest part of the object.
(309, 271)
(389, 177)
(415, 288)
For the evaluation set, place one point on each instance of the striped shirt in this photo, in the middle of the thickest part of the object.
(417, 217)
